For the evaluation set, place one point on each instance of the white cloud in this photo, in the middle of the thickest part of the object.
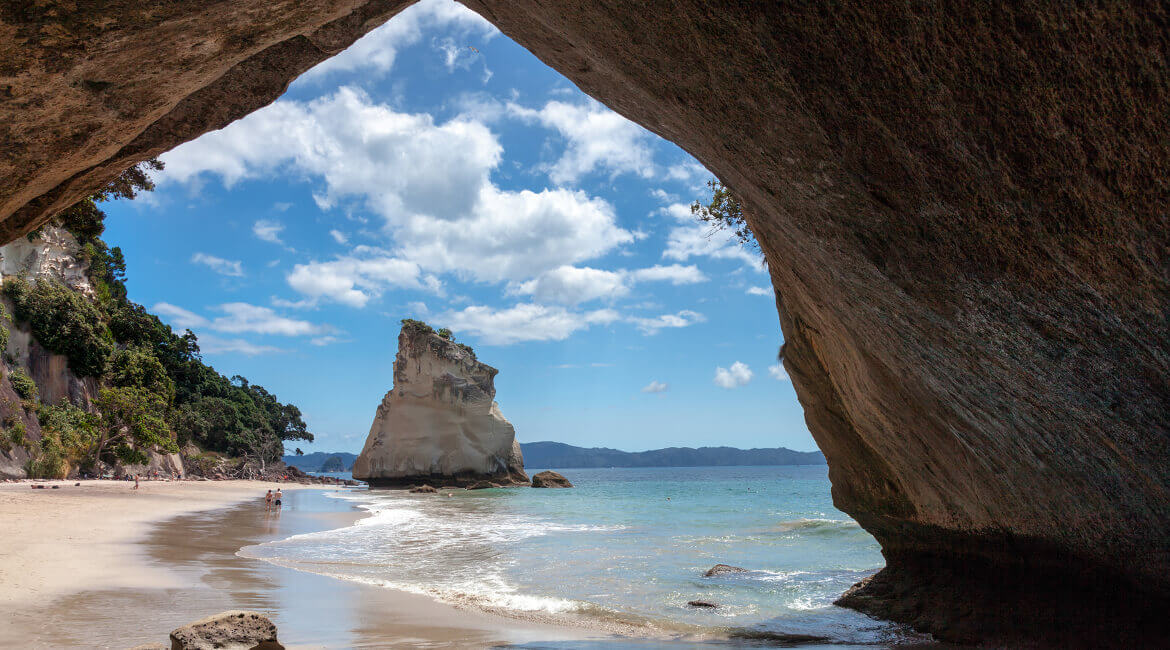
(777, 371)
(676, 274)
(268, 231)
(651, 326)
(339, 237)
(209, 344)
(241, 317)
(179, 317)
(597, 138)
(573, 285)
(692, 238)
(524, 322)
(219, 265)
(734, 377)
(430, 182)
(357, 278)
(759, 291)
(655, 387)
(374, 54)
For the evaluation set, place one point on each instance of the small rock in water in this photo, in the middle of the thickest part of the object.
(702, 603)
(423, 489)
(720, 569)
(482, 485)
(231, 630)
(550, 480)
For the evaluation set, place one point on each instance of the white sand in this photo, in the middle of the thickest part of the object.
(62, 541)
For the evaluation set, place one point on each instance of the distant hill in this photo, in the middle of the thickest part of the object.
(557, 455)
(313, 462)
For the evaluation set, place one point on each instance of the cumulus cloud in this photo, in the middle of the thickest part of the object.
(268, 231)
(759, 291)
(374, 54)
(356, 278)
(692, 238)
(221, 266)
(430, 182)
(179, 317)
(339, 237)
(777, 371)
(596, 139)
(524, 322)
(651, 326)
(241, 317)
(573, 285)
(655, 387)
(734, 377)
(210, 344)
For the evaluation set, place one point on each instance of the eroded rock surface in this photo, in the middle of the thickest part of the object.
(963, 209)
(550, 479)
(232, 630)
(440, 424)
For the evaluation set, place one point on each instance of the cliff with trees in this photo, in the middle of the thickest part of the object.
(94, 383)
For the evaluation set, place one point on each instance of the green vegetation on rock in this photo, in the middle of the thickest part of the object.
(724, 212)
(24, 385)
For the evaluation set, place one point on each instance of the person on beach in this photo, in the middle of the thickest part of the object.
(276, 498)
(268, 500)
(135, 482)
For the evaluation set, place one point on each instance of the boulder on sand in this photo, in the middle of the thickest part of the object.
(232, 630)
(721, 569)
(550, 480)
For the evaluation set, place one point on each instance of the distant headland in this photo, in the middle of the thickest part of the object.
(560, 455)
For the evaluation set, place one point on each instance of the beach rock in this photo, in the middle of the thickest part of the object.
(423, 489)
(702, 603)
(231, 630)
(722, 569)
(440, 422)
(550, 479)
(962, 211)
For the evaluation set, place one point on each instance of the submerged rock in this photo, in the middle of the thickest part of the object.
(483, 485)
(440, 423)
(721, 569)
(702, 603)
(548, 479)
(423, 489)
(231, 630)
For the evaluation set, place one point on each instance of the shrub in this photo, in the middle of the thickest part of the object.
(63, 322)
(23, 384)
(445, 333)
(410, 323)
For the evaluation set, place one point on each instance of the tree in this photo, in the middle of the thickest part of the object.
(445, 333)
(85, 220)
(299, 452)
(64, 322)
(724, 212)
(133, 420)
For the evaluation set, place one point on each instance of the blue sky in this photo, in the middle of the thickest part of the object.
(437, 170)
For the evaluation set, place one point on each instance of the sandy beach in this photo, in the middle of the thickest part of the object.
(102, 565)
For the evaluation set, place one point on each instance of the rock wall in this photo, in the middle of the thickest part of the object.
(963, 208)
(440, 423)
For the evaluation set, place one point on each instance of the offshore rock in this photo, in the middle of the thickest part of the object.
(440, 424)
(723, 569)
(550, 479)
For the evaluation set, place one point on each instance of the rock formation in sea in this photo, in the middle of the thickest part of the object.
(440, 423)
(550, 479)
(962, 208)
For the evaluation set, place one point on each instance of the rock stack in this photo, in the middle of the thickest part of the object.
(440, 424)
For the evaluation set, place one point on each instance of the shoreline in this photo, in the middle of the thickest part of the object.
(102, 565)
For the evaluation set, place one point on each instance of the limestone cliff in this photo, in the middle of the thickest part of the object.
(963, 208)
(440, 423)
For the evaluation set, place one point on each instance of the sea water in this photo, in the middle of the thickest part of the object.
(625, 547)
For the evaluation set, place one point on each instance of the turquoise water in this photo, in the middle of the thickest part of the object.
(625, 547)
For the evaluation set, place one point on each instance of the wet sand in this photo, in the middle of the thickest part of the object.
(184, 568)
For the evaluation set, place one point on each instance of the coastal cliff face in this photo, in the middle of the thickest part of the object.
(963, 209)
(440, 423)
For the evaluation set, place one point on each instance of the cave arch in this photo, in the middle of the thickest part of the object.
(963, 212)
